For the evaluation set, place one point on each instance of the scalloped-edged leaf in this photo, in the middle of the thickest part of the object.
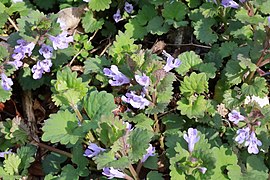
(5, 95)
(257, 88)
(203, 31)
(234, 72)
(3, 52)
(51, 163)
(138, 140)
(264, 8)
(243, 32)
(232, 99)
(195, 83)
(209, 10)
(90, 24)
(174, 12)
(108, 159)
(224, 158)
(62, 127)
(11, 164)
(242, 15)
(68, 88)
(157, 26)
(44, 4)
(99, 104)
(208, 69)
(141, 121)
(256, 168)
(227, 48)
(97, 5)
(193, 107)
(189, 60)
(151, 162)
(69, 172)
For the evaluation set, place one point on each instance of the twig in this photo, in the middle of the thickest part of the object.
(53, 149)
(133, 172)
(13, 24)
(104, 50)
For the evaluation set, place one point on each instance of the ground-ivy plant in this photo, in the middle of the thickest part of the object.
(129, 89)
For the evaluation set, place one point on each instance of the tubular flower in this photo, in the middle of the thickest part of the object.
(128, 7)
(171, 62)
(192, 138)
(150, 151)
(229, 3)
(136, 101)
(143, 80)
(46, 51)
(61, 41)
(252, 144)
(110, 172)
(118, 77)
(117, 16)
(242, 135)
(93, 150)
(235, 117)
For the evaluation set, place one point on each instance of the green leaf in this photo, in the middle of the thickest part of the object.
(139, 141)
(189, 60)
(62, 127)
(44, 4)
(68, 89)
(154, 175)
(232, 99)
(107, 159)
(227, 48)
(203, 31)
(265, 7)
(97, 5)
(90, 24)
(98, 104)
(26, 154)
(77, 157)
(51, 163)
(95, 65)
(193, 107)
(157, 26)
(234, 72)
(195, 83)
(11, 164)
(242, 15)
(151, 162)
(255, 168)
(141, 121)
(224, 158)
(69, 173)
(209, 69)
(209, 10)
(26, 80)
(257, 88)
(174, 12)
(5, 95)
(3, 52)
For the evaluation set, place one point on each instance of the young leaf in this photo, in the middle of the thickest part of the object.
(195, 83)
(154, 175)
(11, 164)
(26, 154)
(51, 163)
(203, 31)
(189, 60)
(5, 95)
(257, 88)
(90, 24)
(68, 89)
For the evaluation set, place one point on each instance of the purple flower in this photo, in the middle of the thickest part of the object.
(191, 138)
(136, 101)
(2, 154)
(235, 117)
(61, 41)
(117, 16)
(128, 7)
(128, 126)
(93, 150)
(242, 1)
(150, 151)
(16, 1)
(16, 63)
(143, 80)
(229, 3)
(202, 169)
(268, 19)
(6, 82)
(242, 135)
(40, 68)
(252, 143)
(118, 77)
(171, 62)
(112, 173)
(46, 51)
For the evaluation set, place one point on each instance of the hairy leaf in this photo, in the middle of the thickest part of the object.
(190, 60)
(98, 5)
(90, 24)
(11, 164)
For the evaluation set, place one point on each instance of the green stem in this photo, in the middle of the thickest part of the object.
(133, 172)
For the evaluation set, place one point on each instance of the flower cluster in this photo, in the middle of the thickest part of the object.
(93, 150)
(235, 117)
(61, 41)
(6, 82)
(41, 67)
(136, 101)
(171, 62)
(250, 139)
(128, 8)
(118, 77)
(20, 52)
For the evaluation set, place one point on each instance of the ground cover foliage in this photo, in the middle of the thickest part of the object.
(138, 89)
